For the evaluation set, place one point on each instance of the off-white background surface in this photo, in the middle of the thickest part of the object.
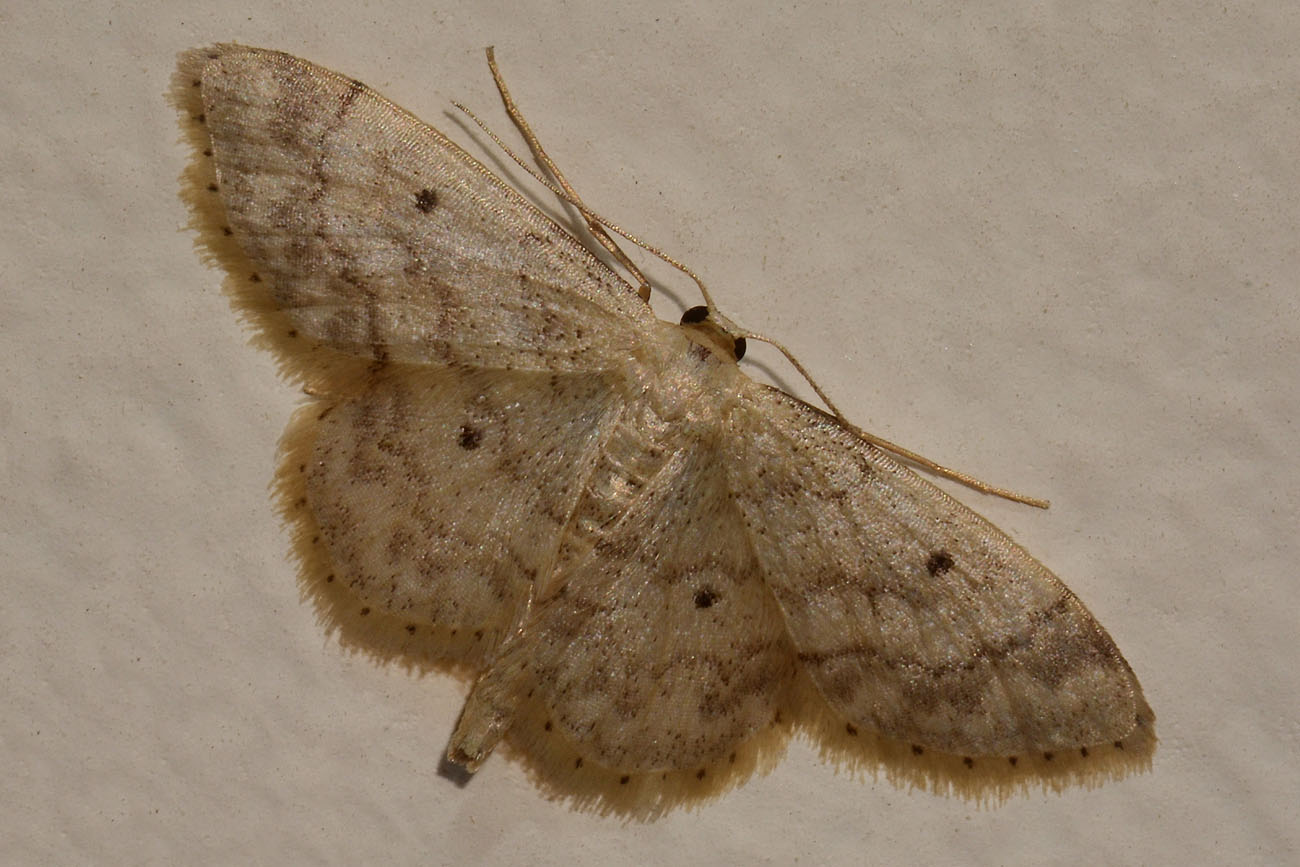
(1053, 244)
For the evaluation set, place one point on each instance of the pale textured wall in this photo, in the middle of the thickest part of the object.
(1055, 248)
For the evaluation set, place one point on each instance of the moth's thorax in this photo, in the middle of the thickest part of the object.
(686, 375)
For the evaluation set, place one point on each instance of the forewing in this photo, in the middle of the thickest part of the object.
(913, 615)
(382, 239)
(442, 494)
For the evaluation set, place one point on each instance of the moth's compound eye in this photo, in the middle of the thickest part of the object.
(695, 314)
(740, 348)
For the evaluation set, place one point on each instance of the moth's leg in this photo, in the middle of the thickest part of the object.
(490, 709)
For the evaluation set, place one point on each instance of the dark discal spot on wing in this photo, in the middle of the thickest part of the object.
(470, 437)
(704, 598)
(426, 200)
(939, 563)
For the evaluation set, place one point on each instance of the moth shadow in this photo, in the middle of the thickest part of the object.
(457, 775)
(773, 375)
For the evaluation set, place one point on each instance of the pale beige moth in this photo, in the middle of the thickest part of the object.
(650, 568)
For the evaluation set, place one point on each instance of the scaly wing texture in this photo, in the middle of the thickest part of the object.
(648, 584)
(442, 494)
(659, 648)
(382, 239)
(394, 274)
(914, 616)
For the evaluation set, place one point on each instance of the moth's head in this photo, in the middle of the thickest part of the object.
(704, 327)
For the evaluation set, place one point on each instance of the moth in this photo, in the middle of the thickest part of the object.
(644, 559)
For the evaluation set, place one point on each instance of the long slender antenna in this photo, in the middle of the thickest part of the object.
(593, 225)
(598, 227)
(595, 222)
(936, 468)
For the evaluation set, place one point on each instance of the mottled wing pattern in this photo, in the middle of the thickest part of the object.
(645, 545)
(430, 507)
(357, 215)
(914, 616)
(659, 647)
